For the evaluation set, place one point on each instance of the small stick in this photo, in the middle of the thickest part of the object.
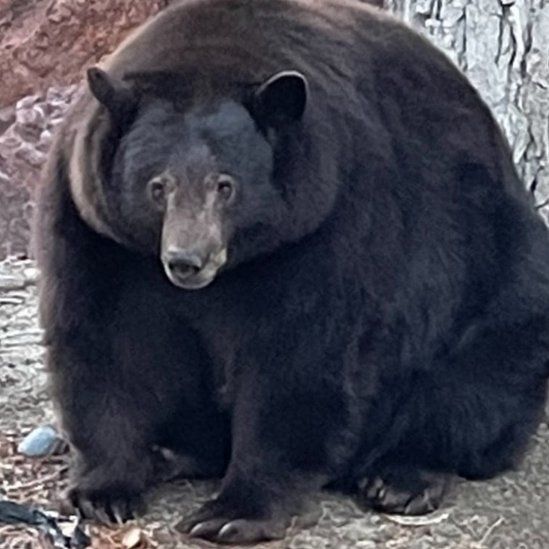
(39, 481)
(490, 530)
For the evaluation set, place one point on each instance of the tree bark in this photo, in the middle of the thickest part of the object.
(503, 47)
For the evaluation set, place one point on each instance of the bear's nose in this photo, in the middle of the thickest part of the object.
(183, 263)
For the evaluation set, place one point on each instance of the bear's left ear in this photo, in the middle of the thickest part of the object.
(280, 99)
(119, 99)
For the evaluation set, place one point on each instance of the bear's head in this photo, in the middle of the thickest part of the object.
(197, 185)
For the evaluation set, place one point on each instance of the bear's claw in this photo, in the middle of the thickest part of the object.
(211, 523)
(104, 506)
(404, 491)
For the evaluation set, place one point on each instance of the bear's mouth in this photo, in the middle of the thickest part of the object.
(195, 278)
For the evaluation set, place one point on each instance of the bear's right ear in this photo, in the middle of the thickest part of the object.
(119, 99)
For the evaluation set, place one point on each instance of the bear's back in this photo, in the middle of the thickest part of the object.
(242, 40)
(366, 71)
(342, 46)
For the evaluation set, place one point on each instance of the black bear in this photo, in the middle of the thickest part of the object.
(284, 240)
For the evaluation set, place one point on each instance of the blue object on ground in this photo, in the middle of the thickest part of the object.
(41, 442)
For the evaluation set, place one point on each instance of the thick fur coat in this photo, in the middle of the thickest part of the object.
(375, 315)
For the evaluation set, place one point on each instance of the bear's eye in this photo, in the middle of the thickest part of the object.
(226, 187)
(157, 191)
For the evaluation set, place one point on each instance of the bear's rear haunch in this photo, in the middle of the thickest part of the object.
(283, 242)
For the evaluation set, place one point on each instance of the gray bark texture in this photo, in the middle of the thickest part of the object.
(503, 47)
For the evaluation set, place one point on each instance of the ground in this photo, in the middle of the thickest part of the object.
(511, 511)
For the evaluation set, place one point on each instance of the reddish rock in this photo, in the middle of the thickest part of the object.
(45, 45)
(48, 42)
(23, 150)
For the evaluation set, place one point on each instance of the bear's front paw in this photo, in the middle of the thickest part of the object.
(106, 502)
(226, 521)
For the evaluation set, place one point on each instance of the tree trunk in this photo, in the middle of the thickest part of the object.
(503, 47)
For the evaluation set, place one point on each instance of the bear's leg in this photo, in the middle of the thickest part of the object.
(118, 380)
(112, 464)
(110, 433)
(471, 415)
(293, 426)
(115, 383)
(115, 358)
(500, 381)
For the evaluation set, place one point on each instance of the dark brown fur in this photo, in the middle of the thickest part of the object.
(384, 324)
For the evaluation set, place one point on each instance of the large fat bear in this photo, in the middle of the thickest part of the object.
(283, 241)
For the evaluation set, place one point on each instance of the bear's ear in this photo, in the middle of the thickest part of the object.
(280, 99)
(119, 99)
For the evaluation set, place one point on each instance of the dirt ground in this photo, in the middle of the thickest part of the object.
(509, 512)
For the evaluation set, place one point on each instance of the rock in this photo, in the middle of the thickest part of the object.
(41, 442)
(48, 42)
(45, 46)
(23, 151)
(7, 118)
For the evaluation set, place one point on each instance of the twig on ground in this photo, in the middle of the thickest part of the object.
(41, 481)
(418, 521)
(490, 530)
